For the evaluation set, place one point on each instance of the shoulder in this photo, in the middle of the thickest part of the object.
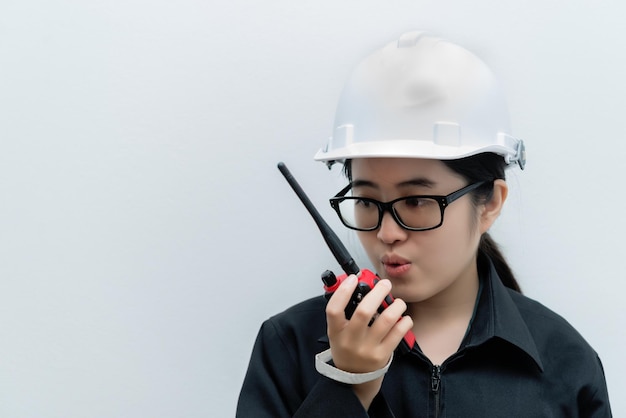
(303, 321)
(554, 336)
(305, 310)
(569, 361)
(544, 322)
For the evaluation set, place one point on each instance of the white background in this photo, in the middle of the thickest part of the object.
(145, 231)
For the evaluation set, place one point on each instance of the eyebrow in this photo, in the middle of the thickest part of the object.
(419, 181)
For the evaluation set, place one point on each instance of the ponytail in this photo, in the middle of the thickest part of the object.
(488, 247)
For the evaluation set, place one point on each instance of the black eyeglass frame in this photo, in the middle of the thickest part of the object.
(443, 201)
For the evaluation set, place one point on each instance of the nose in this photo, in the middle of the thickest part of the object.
(389, 231)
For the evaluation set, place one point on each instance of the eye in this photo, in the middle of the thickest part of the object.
(415, 202)
(362, 203)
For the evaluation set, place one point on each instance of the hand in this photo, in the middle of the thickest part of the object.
(357, 347)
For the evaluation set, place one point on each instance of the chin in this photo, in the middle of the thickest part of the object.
(410, 291)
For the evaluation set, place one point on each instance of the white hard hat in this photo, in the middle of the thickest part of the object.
(421, 97)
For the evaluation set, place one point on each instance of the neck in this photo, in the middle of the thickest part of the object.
(441, 322)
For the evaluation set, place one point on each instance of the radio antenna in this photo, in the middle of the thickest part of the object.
(340, 252)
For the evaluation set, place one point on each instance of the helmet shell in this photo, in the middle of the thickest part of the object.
(421, 97)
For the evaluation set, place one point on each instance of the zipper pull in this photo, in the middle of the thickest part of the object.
(435, 379)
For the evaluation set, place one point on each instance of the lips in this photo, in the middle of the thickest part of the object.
(395, 265)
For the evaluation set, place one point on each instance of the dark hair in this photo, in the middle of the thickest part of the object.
(480, 167)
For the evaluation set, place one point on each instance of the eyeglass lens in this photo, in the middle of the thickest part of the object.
(413, 212)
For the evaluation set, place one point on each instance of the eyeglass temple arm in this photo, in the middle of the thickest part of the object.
(454, 196)
(343, 191)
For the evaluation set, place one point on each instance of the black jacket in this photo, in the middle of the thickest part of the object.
(518, 359)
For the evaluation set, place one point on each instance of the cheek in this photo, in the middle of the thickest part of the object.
(462, 218)
(369, 241)
(366, 238)
(459, 233)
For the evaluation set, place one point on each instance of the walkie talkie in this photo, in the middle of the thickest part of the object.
(367, 278)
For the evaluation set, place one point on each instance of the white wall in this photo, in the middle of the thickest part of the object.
(145, 232)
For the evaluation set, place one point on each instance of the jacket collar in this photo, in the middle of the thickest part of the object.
(497, 315)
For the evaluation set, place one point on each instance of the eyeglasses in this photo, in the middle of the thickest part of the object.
(414, 213)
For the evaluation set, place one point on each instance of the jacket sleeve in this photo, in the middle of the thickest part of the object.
(277, 386)
(593, 398)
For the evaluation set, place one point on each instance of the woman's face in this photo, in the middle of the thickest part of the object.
(420, 264)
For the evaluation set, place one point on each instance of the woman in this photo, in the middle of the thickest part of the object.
(422, 131)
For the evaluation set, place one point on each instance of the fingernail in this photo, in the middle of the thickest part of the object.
(351, 279)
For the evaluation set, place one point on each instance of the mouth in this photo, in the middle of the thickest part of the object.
(395, 266)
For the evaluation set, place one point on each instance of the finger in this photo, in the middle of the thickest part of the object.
(391, 327)
(335, 308)
(389, 317)
(397, 333)
(368, 308)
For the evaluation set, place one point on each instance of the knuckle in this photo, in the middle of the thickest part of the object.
(389, 319)
(361, 314)
(333, 311)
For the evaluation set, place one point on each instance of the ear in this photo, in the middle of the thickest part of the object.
(491, 209)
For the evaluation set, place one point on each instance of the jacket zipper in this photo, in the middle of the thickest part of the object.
(435, 383)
